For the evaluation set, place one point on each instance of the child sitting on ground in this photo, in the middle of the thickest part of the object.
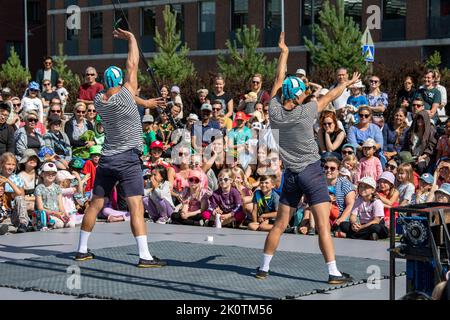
(49, 198)
(158, 203)
(265, 205)
(241, 184)
(423, 192)
(226, 202)
(195, 201)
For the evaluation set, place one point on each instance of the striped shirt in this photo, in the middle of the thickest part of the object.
(343, 188)
(295, 135)
(122, 122)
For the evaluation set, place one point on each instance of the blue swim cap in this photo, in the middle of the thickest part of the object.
(113, 77)
(292, 87)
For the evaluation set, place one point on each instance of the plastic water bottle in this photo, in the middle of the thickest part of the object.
(218, 222)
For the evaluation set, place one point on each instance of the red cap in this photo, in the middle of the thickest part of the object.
(157, 144)
(241, 116)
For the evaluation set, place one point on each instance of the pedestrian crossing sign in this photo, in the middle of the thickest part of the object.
(369, 53)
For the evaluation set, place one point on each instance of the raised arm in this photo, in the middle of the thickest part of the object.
(336, 92)
(282, 65)
(132, 66)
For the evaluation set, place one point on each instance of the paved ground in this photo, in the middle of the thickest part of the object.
(38, 244)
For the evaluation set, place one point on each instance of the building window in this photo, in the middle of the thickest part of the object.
(207, 16)
(353, 9)
(179, 10)
(239, 14)
(148, 22)
(121, 18)
(96, 25)
(273, 14)
(33, 12)
(394, 20)
(439, 19)
(310, 9)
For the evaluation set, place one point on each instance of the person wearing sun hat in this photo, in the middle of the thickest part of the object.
(442, 195)
(367, 217)
(294, 120)
(32, 102)
(239, 135)
(387, 193)
(423, 191)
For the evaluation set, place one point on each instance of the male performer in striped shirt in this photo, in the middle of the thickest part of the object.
(120, 160)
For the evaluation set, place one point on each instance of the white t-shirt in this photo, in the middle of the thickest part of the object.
(367, 211)
(34, 104)
(341, 101)
(47, 75)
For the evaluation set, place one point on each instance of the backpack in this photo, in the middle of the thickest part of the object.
(42, 220)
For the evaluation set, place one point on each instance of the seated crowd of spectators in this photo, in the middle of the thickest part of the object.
(217, 162)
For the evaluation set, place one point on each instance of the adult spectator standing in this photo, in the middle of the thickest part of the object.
(48, 73)
(90, 88)
(14, 115)
(378, 101)
(344, 190)
(394, 133)
(430, 95)
(300, 155)
(220, 94)
(441, 110)
(175, 97)
(120, 156)
(341, 101)
(248, 101)
(32, 102)
(77, 125)
(7, 143)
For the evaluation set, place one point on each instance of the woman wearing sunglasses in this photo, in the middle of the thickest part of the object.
(394, 133)
(256, 95)
(331, 137)
(77, 125)
(364, 130)
(28, 136)
(378, 101)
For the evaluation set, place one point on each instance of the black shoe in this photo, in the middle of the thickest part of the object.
(339, 279)
(84, 256)
(261, 274)
(22, 228)
(3, 229)
(154, 263)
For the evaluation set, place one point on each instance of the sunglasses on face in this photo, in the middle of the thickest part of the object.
(224, 179)
(33, 120)
(91, 110)
(364, 115)
(16, 104)
(327, 124)
(217, 109)
(417, 105)
(46, 84)
(47, 63)
(90, 74)
(194, 180)
(374, 81)
(391, 167)
(81, 112)
(332, 169)
(347, 152)
(33, 90)
(55, 111)
(255, 82)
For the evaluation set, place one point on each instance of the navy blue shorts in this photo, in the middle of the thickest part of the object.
(310, 182)
(124, 168)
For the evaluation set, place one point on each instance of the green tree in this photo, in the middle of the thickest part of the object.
(338, 40)
(434, 61)
(72, 81)
(171, 63)
(13, 74)
(241, 64)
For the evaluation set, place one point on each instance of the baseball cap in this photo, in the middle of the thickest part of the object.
(358, 85)
(241, 116)
(64, 175)
(388, 176)
(175, 89)
(427, 178)
(27, 154)
(369, 143)
(33, 85)
(97, 149)
(148, 118)
(49, 167)
(157, 145)
(206, 106)
(445, 188)
(195, 174)
(368, 181)
(45, 151)
(6, 91)
(292, 87)
(192, 116)
(77, 163)
(349, 145)
(301, 72)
